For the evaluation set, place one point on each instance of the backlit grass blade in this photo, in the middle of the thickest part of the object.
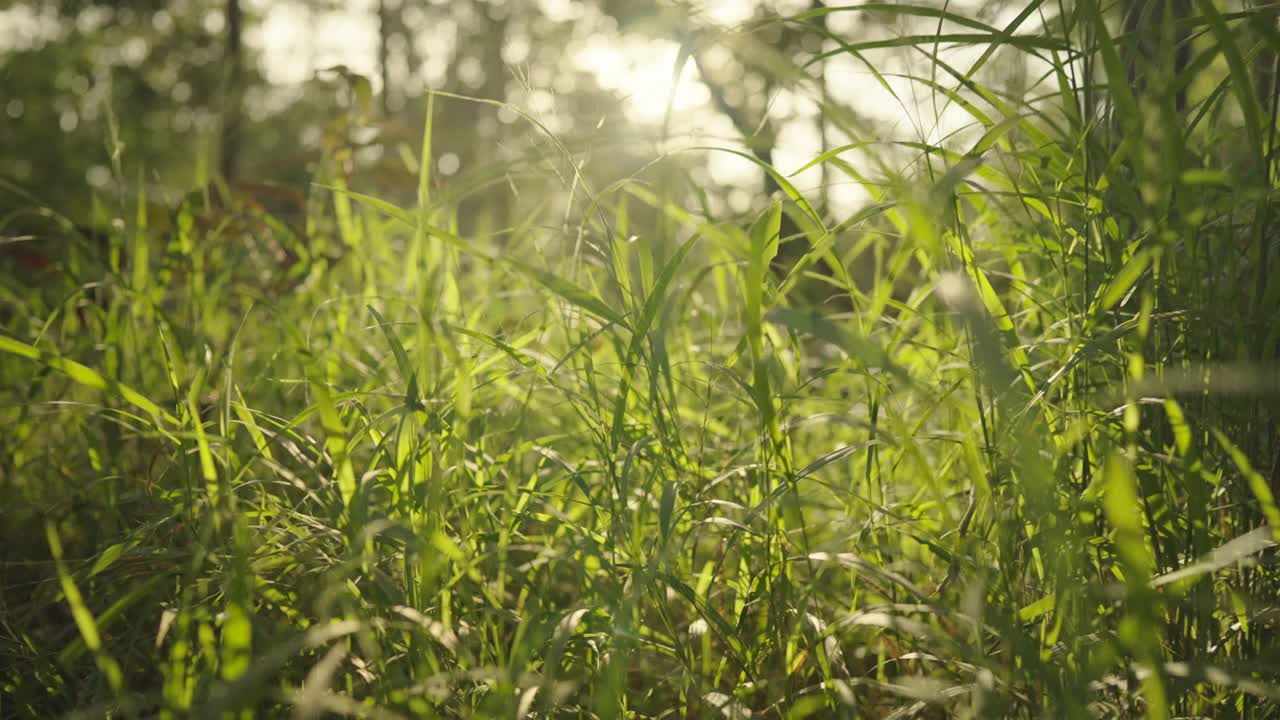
(141, 246)
(1124, 280)
(566, 289)
(1257, 484)
(86, 376)
(787, 187)
(1229, 553)
(397, 348)
(1140, 629)
(764, 246)
(336, 442)
(570, 292)
(81, 614)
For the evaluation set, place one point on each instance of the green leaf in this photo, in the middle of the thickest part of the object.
(108, 557)
(666, 506)
(1037, 608)
(335, 441)
(792, 193)
(1124, 280)
(424, 165)
(81, 614)
(141, 243)
(1123, 508)
(1223, 556)
(86, 376)
(764, 246)
(944, 189)
(570, 292)
(1117, 77)
(834, 456)
(374, 203)
(397, 349)
(657, 296)
(1257, 484)
(208, 470)
(1241, 82)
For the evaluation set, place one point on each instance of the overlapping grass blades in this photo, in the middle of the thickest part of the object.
(1029, 471)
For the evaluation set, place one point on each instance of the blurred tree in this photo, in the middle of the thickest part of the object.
(156, 67)
(1157, 44)
(232, 92)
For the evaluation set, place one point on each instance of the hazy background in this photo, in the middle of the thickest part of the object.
(261, 90)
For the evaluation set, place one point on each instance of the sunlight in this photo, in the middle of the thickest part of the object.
(642, 71)
(295, 41)
(728, 12)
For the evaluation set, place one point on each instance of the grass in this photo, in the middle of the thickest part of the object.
(1025, 467)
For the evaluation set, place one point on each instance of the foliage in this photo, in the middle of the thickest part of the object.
(609, 459)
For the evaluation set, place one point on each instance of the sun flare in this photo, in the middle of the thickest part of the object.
(645, 72)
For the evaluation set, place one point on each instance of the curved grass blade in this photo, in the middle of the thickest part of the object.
(84, 375)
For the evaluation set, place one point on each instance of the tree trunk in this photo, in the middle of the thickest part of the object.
(232, 92)
(384, 72)
(1144, 45)
(484, 43)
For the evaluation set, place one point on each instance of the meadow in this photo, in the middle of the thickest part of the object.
(999, 443)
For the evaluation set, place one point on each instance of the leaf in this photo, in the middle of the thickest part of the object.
(1037, 608)
(335, 441)
(108, 558)
(247, 420)
(438, 631)
(1241, 84)
(1124, 280)
(1223, 556)
(666, 506)
(729, 523)
(994, 334)
(834, 456)
(1178, 423)
(1123, 508)
(264, 672)
(237, 641)
(378, 204)
(792, 193)
(708, 613)
(570, 292)
(657, 296)
(137, 593)
(764, 246)
(80, 613)
(1257, 484)
(407, 371)
(515, 353)
(567, 290)
(653, 303)
(208, 470)
(945, 187)
(141, 243)
(1120, 91)
(86, 376)
(424, 165)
